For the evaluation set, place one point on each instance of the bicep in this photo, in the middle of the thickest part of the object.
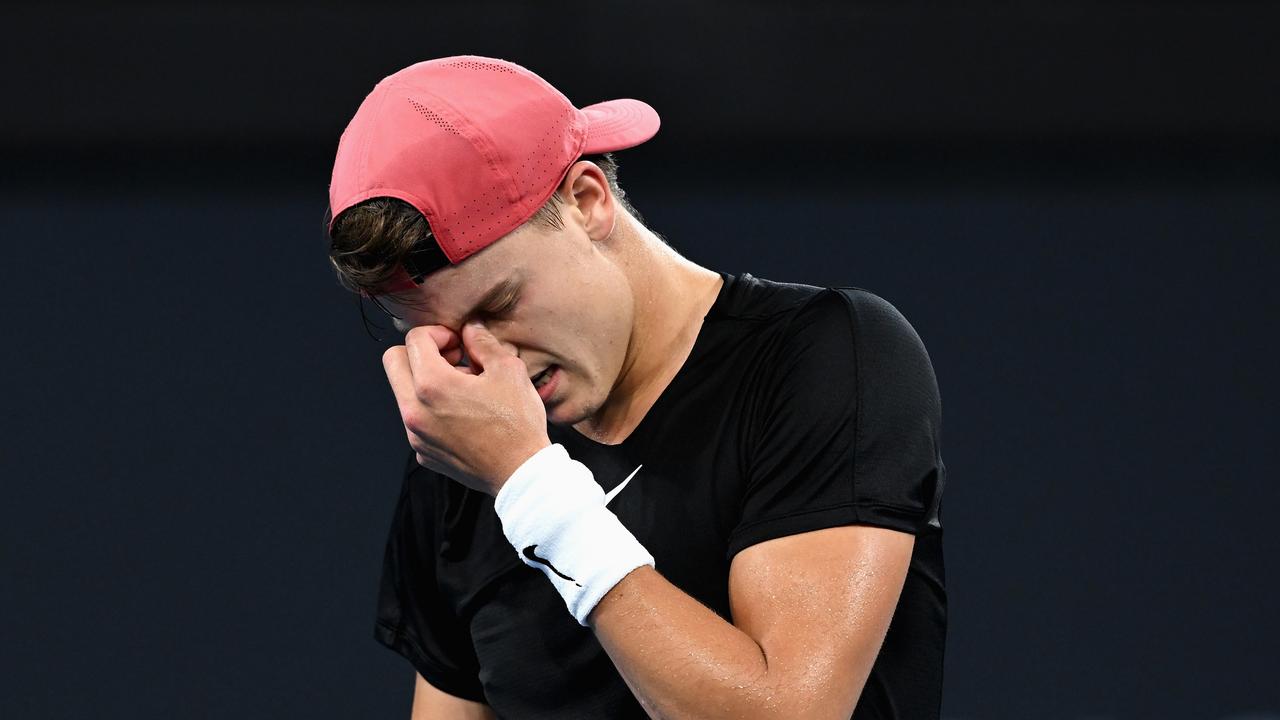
(432, 703)
(819, 605)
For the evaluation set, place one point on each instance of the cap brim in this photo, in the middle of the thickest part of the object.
(618, 124)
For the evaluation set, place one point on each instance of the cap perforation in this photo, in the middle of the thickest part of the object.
(474, 65)
(434, 117)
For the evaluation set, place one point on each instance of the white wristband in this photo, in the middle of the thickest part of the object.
(553, 513)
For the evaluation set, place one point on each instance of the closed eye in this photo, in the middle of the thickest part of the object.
(504, 307)
(501, 300)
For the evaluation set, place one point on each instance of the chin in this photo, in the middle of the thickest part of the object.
(566, 413)
(561, 415)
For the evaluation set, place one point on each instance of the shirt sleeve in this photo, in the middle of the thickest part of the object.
(413, 618)
(847, 427)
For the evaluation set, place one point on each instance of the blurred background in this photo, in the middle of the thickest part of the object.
(1076, 204)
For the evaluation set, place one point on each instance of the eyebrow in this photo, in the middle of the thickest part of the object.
(501, 294)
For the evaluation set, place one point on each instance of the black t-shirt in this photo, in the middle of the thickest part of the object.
(798, 408)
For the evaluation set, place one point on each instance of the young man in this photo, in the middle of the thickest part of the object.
(637, 486)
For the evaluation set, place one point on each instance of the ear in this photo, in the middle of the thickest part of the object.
(588, 199)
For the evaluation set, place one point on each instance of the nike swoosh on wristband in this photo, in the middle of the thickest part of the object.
(614, 492)
(529, 553)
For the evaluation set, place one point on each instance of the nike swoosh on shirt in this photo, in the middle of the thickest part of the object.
(614, 492)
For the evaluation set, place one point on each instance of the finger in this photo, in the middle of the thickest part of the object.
(482, 347)
(425, 360)
(445, 338)
(395, 361)
(447, 341)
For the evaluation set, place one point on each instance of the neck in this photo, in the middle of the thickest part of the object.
(672, 296)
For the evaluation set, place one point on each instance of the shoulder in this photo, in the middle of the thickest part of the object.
(856, 313)
(846, 346)
(894, 366)
(797, 312)
(852, 324)
(878, 323)
(834, 323)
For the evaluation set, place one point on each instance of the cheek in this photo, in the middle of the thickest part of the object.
(575, 340)
(584, 326)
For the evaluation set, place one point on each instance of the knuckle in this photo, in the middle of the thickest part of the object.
(414, 421)
(426, 391)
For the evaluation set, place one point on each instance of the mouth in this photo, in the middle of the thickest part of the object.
(545, 381)
(541, 378)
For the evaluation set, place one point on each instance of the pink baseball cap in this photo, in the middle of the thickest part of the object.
(476, 144)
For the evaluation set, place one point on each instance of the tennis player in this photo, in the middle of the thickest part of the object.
(636, 487)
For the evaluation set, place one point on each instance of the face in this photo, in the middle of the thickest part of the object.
(556, 298)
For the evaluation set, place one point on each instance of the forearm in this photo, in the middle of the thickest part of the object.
(680, 658)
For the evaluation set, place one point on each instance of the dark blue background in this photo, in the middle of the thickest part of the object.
(201, 454)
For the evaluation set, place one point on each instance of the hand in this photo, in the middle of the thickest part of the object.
(475, 423)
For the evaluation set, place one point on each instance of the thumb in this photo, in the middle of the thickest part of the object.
(482, 347)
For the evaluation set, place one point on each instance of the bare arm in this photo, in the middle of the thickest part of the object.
(810, 612)
(431, 703)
